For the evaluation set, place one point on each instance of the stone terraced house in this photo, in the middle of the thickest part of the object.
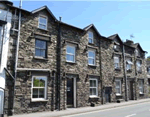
(53, 65)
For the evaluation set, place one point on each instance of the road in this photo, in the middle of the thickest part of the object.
(137, 110)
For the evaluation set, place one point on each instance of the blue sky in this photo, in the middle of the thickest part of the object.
(124, 18)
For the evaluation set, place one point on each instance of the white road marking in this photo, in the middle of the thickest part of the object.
(130, 115)
(103, 110)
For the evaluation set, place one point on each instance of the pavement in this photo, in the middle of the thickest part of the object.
(134, 110)
(80, 111)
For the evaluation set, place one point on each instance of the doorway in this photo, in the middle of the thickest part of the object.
(130, 89)
(107, 94)
(71, 92)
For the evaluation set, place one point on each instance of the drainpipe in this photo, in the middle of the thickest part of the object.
(135, 75)
(125, 75)
(58, 78)
(17, 49)
(100, 64)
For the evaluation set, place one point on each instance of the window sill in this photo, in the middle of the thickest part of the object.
(40, 58)
(117, 69)
(91, 44)
(129, 70)
(141, 93)
(71, 62)
(118, 95)
(139, 72)
(39, 100)
(93, 97)
(43, 29)
(92, 65)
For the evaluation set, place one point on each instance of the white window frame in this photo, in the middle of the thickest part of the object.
(139, 68)
(71, 46)
(92, 57)
(42, 23)
(89, 38)
(1, 28)
(95, 79)
(118, 64)
(119, 87)
(128, 64)
(45, 93)
(141, 87)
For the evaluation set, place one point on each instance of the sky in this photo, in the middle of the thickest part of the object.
(109, 17)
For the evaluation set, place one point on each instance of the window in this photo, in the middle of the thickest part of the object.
(70, 53)
(91, 57)
(141, 87)
(138, 65)
(93, 87)
(43, 23)
(148, 70)
(90, 35)
(116, 47)
(118, 87)
(116, 62)
(129, 64)
(136, 52)
(39, 86)
(40, 48)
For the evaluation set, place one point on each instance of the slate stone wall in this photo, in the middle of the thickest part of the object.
(80, 66)
(104, 69)
(27, 60)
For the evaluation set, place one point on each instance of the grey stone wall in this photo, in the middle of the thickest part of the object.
(26, 59)
(80, 66)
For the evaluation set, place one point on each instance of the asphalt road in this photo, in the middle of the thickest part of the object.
(137, 110)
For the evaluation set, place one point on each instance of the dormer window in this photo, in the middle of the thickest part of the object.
(90, 36)
(43, 22)
(136, 53)
(116, 47)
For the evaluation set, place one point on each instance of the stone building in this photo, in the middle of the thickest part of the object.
(61, 66)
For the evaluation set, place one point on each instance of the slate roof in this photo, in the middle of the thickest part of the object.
(112, 37)
(90, 26)
(42, 8)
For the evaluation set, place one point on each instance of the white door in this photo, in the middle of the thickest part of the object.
(1, 101)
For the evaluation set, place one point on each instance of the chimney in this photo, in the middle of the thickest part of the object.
(129, 42)
(60, 19)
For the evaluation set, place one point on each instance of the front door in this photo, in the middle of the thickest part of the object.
(130, 90)
(107, 94)
(70, 93)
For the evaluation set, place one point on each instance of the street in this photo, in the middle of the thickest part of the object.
(136, 110)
